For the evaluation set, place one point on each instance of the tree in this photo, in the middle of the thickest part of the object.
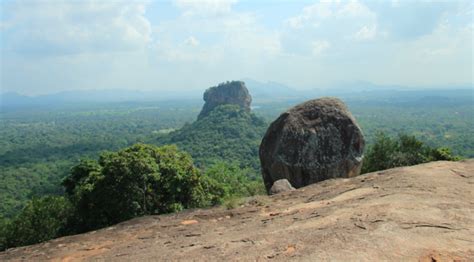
(443, 153)
(138, 180)
(378, 156)
(229, 181)
(41, 219)
(405, 151)
(228, 133)
(4, 223)
(79, 174)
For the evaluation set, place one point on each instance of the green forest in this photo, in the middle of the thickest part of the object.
(61, 169)
(228, 133)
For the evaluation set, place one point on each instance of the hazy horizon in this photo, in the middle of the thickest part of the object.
(198, 91)
(53, 46)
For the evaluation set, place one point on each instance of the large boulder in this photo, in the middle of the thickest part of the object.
(234, 93)
(316, 140)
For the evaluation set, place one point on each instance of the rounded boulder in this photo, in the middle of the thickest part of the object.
(313, 141)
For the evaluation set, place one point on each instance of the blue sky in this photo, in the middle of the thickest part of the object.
(57, 45)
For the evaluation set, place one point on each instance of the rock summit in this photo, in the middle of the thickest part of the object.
(234, 93)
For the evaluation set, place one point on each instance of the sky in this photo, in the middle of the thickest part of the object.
(58, 45)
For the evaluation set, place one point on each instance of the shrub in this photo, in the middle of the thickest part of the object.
(41, 219)
(387, 153)
(139, 180)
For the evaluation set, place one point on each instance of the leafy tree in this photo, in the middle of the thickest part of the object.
(443, 153)
(3, 233)
(229, 181)
(79, 174)
(228, 133)
(41, 219)
(139, 180)
(407, 150)
(379, 155)
(38, 146)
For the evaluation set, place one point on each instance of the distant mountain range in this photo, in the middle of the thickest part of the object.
(12, 99)
(257, 89)
(260, 91)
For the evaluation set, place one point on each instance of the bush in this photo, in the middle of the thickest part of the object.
(443, 153)
(139, 180)
(228, 133)
(4, 223)
(40, 220)
(228, 181)
(387, 153)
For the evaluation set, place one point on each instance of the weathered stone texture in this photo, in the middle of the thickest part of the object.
(280, 186)
(311, 142)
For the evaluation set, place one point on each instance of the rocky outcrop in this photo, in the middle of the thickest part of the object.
(311, 142)
(418, 213)
(281, 186)
(234, 93)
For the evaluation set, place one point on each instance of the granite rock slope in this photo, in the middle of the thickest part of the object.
(418, 213)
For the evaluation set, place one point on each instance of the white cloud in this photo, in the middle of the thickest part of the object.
(69, 27)
(366, 33)
(319, 46)
(204, 7)
(319, 10)
(354, 9)
(235, 37)
(211, 41)
(191, 41)
(185, 54)
(295, 22)
(338, 22)
(329, 10)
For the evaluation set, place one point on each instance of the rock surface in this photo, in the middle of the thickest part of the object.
(234, 93)
(281, 186)
(419, 213)
(313, 141)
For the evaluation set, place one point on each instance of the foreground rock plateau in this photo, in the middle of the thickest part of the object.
(419, 213)
(313, 141)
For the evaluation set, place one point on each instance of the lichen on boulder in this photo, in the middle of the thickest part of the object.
(313, 141)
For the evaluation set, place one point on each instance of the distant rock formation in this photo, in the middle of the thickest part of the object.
(234, 93)
(311, 142)
(280, 186)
